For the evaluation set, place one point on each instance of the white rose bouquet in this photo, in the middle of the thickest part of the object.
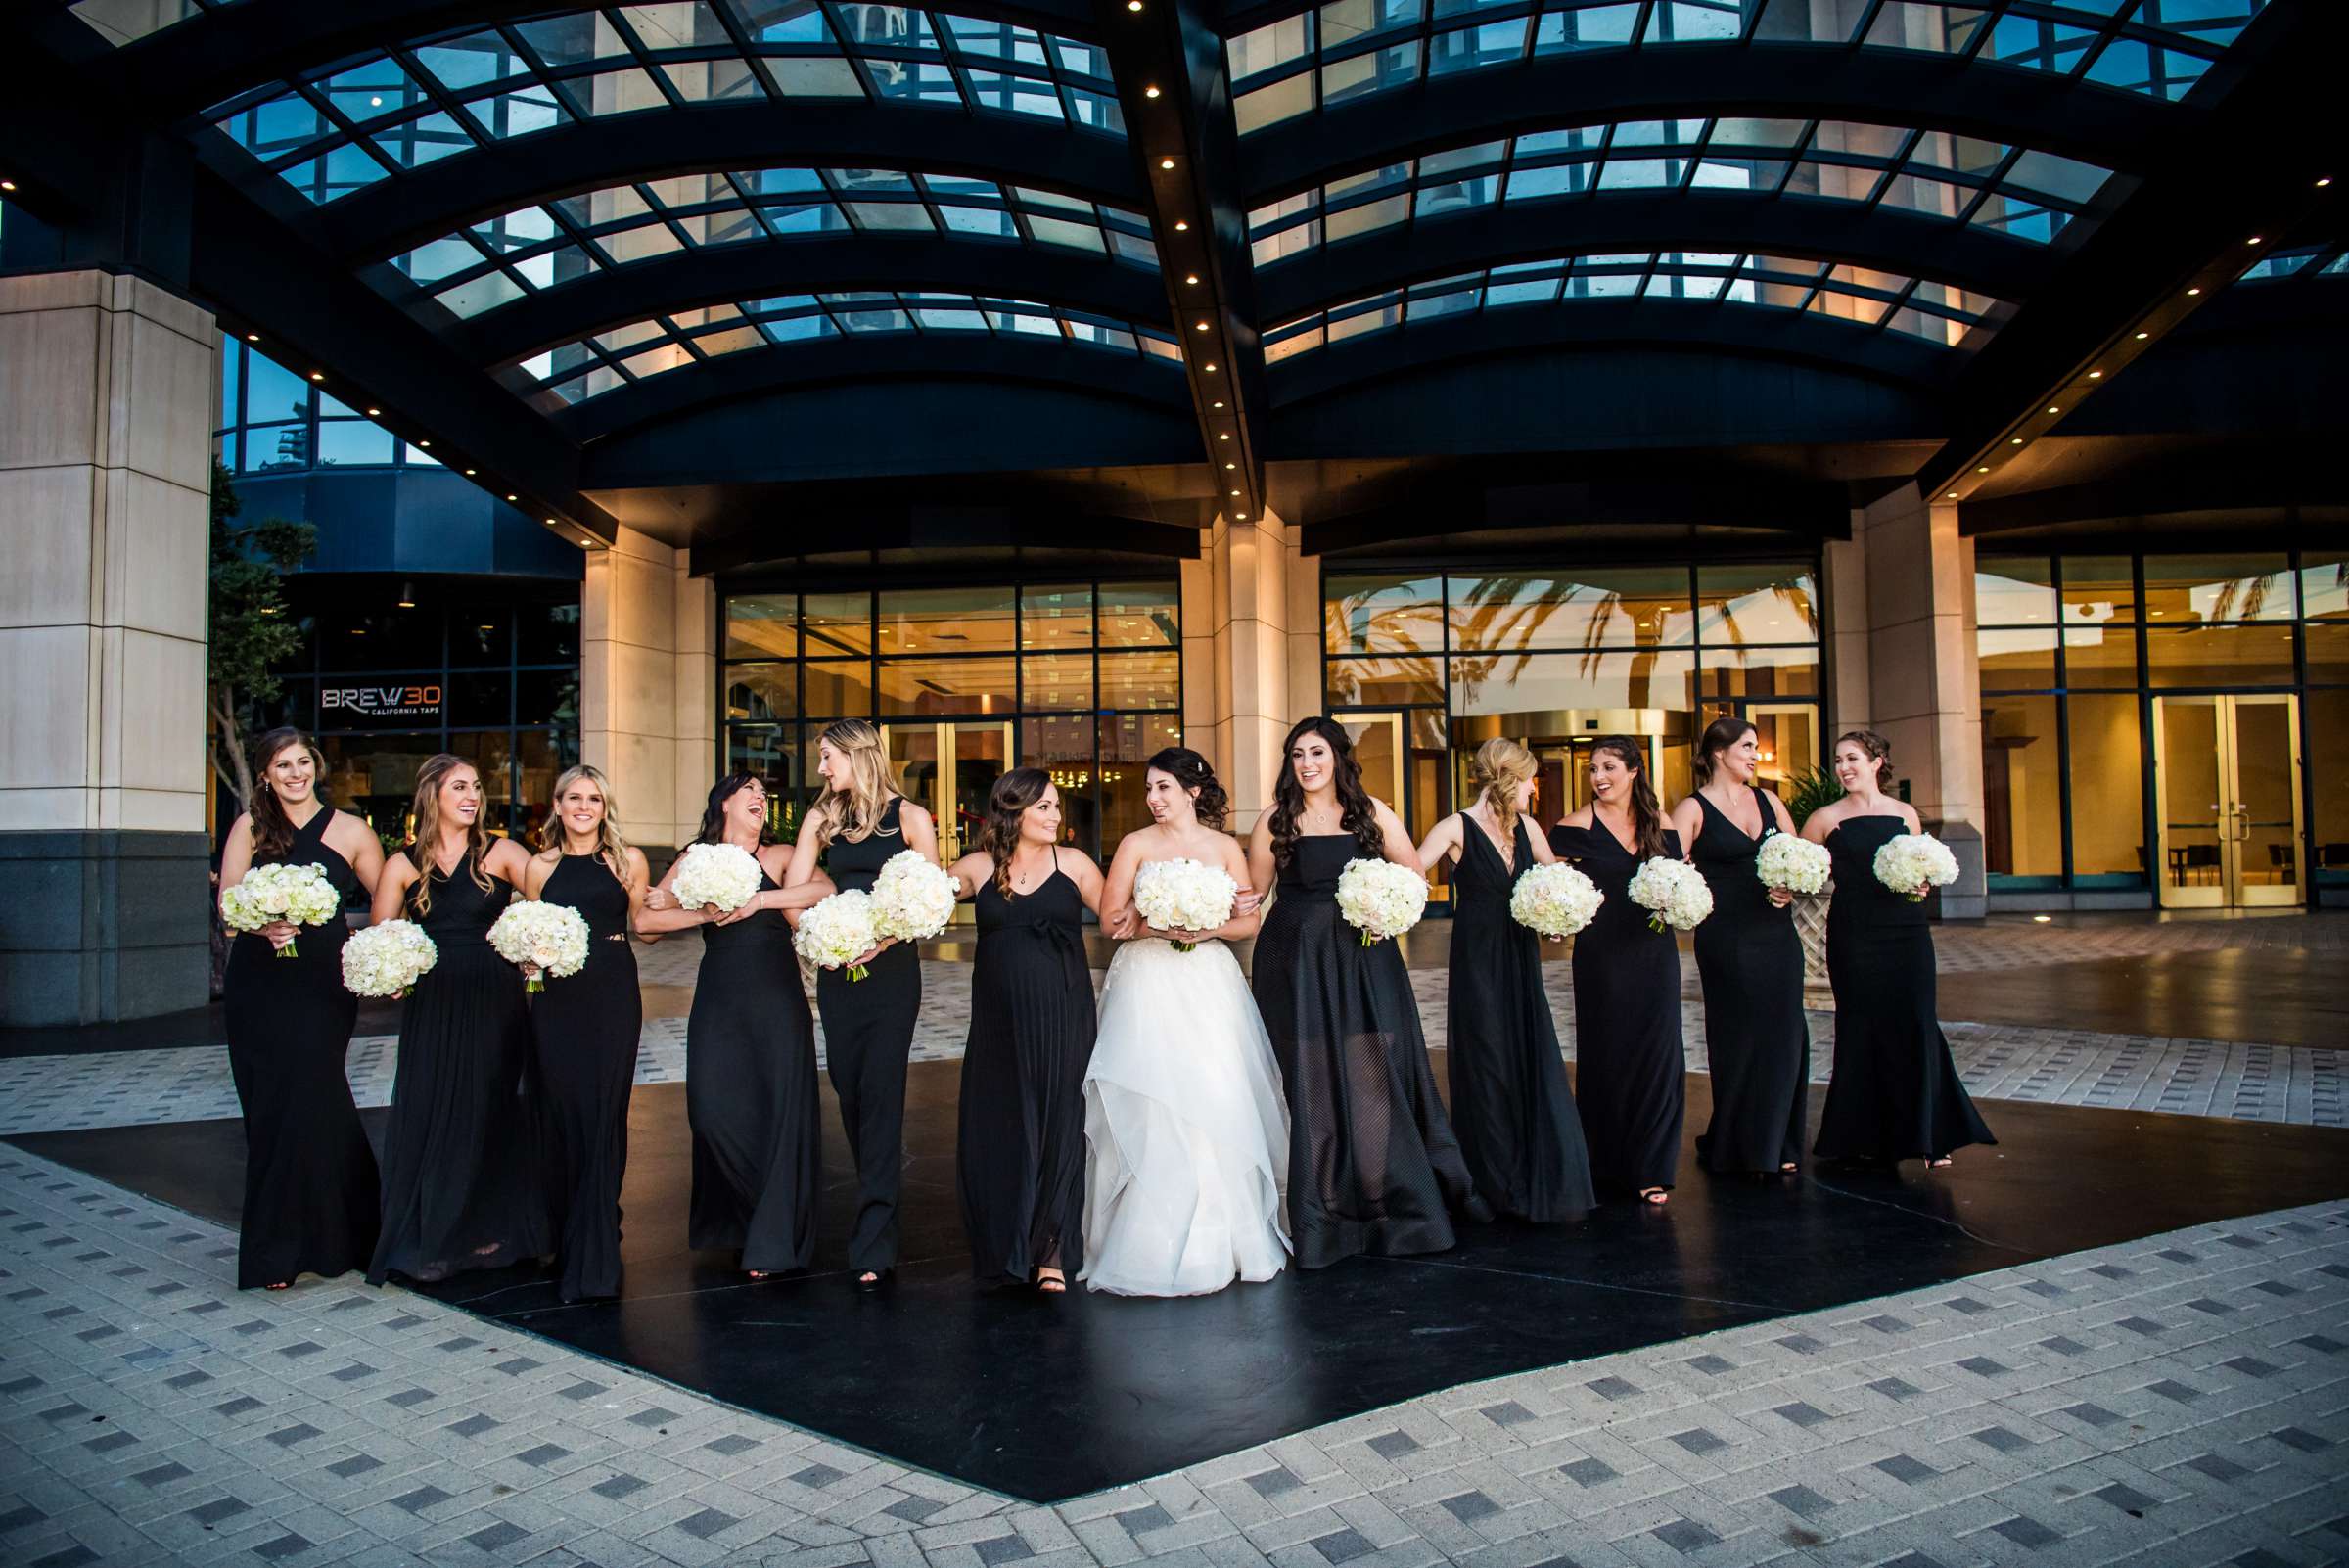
(716, 876)
(1555, 901)
(912, 899)
(840, 930)
(385, 960)
(1912, 864)
(1794, 864)
(1380, 899)
(1672, 893)
(1183, 895)
(551, 936)
(299, 894)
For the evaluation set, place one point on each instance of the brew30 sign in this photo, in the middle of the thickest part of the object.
(384, 704)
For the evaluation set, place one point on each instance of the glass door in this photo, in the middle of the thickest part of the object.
(948, 769)
(2227, 777)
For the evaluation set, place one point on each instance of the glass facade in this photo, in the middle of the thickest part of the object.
(1083, 680)
(274, 420)
(2206, 696)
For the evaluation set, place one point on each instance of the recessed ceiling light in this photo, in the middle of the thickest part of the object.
(509, 497)
(1984, 469)
(1165, 163)
(1235, 492)
(1149, 92)
(1224, 437)
(2254, 240)
(1952, 497)
(2191, 292)
(1229, 466)
(374, 413)
(1199, 326)
(2142, 336)
(1181, 227)
(1242, 516)
(550, 522)
(2096, 375)
(1191, 277)
(2055, 408)
(1133, 4)
(423, 444)
(8, 185)
(317, 375)
(2327, 180)
(1219, 402)
(253, 337)
(469, 473)
(1209, 368)
(2017, 441)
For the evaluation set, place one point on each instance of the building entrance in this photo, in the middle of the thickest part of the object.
(2226, 784)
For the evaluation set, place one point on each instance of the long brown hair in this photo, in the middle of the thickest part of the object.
(423, 845)
(1186, 768)
(855, 813)
(1719, 735)
(1000, 837)
(1648, 816)
(1356, 814)
(611, 846)
(1878, 748)
(713, 814)
(1500, 767)
(272, 831)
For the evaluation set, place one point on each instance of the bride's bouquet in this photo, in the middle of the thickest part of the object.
(299, 894)
(1672, 893)
(1182, 895)
(1913, 865)
(385, 960)
(912, 899)
(1380, 899)
(1792, 863)
(838, 931)
(551, 936)
(1554, 900)
(716, 876)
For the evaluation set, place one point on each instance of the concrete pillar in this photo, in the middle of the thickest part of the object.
(1251, 666)
(106, 398)
(648, 668)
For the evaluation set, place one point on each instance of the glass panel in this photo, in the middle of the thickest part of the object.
(2098, 588)
(2189, 792)
(548, 634)
(2022, 817)
(2219, 656)
(2326, 743)
(2327, 650)
(1140, 615)
(1601, 609)
(1056, 680)
(2012, 590)
(352, 442)
(1057, 616)
(491, 753)
(2212, 589)
(1743, 672)
(1141, 679)
(1789, 743)
(480, 699)
(1383, 680)
(548, 696)
(2107, 784)
(1127, 742)
(2100, 656)
(947, 686)
(764, 750)
(2325, 588)
(2017, 659)
(975, 620)
(2265, 780)
(1515, 683)
(839, 689)
(1382, 613)
(763, 691)
(1062, 747)
(1756, 604)
(836, 624)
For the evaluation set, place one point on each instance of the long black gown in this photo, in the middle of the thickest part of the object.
(751, 1098)
(1630, 1069)
(311, 1191)
(1021, 1129)
(868, 1035)
(587, 1026)
(1758, 1042)
(1374, 1166)
(1518, 1130)
(463, 1172)
(1895, 1095)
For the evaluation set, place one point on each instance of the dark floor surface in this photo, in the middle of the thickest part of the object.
(1047, 1399)
(2255, 995)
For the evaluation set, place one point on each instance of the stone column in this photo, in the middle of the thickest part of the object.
(106, 398)
(647, 674)
(1241, 690)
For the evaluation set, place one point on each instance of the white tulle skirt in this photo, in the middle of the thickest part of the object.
(1187, 1128)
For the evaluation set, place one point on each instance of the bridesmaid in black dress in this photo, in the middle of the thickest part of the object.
(860, 825)
(1757, 1041)
(1373, 1164)
(1518, 1130)
(750, 1053)
(1896, 1093)
(311, 1191)
(587, 1027)
(1021, 1146)
(1630, 1069)
(462, 1176)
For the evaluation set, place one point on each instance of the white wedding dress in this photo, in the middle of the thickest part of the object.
(1187, 1128)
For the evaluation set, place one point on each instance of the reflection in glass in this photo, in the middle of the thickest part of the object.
(2219, 656)
(763, 691)
(2327, 742)
(762, 625)
(1379, 681)
(1057, 616)
(975, 620)
(1548, 682)
(925, 686)
(2100, 656)
(1056, 680)
(2098, 588)
(1602, 609)
(2214, 589)
(832, 623)
(1152, 679)
(1382, 613)
(1140, 615)
(2107, 789)
(2022, 798)
(1742, 673)
(2017, 659)
(838, 689)
(1756, 604)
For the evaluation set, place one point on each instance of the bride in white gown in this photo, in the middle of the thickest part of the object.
(1187, 1128)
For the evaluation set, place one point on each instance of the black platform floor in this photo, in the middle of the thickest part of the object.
(1047, 1399)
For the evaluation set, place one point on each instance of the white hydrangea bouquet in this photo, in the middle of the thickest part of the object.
(716, 876)
(1184, 895)
(299, 894)
(1381, 898)
(1554, 900)
(1913, 865)
(1795, 865)
(1672, 893)
(553, 937)
(385, 960)
(840, 930)
(912, 899)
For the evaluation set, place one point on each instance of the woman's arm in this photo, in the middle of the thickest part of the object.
(652, 923)
(1088, 879)
(1687, 819)
(365, 856)
(1244, 921)
(1395, 841)
(1822, 822)
(970, 873)
(1443, 844)
(1262, 872)
(508, 861)
(542, 865)
(236, 855)
(803, 855)
(638, 882)
(1779, 812)
(921, 832)
(1544, 854)
(391, 891)
(1120, 919)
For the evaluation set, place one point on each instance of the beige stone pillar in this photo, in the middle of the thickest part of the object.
(648, 668)
(106, 400)
(1245, 680)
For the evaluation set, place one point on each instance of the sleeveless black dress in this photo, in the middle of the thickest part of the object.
(1895, 1095)
(868, 1035)
(587, 1026)
(1022, 1119)
(310, 1193)
(1509, 1101)
(1758, 1042)
(749, 1095)
(1630, 1071)
(463, 1175)
(1373, 1164)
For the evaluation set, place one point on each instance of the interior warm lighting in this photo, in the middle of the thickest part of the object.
(2096, 375)
(2055, 408)
(2321, 184)
(469, 473)
(550, 522)
(407, 596)
(2017, 441)
(423, 444)
(508, 497)
(1952, 497)
(2254, 240)
(2191, 292)
(1242, 516)
(1199, 326)
(1219, 402)
(1210, 369)
(1224, 437)
(1235, 492)
(1133, 4)
(1984, 469)
(2040, 920)
(1192, 278)
(1231, 465)
(8, 185)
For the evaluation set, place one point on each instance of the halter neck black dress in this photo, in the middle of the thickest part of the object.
(868, 1036)
(1630, 1071)
(751, 1098)
(310, 1192)
(587, 1026)
(1895, 1095)
(463, 1179)
(1374, 1166)
(1510, 1105)
(1757, 1041)
(1021, 1132)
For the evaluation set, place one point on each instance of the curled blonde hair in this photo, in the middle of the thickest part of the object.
(855, 813)
(613, 850)
(1499, 767)
(425, 846)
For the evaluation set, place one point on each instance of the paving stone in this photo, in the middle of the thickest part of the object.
(707, 1523)
(1393, 1444)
